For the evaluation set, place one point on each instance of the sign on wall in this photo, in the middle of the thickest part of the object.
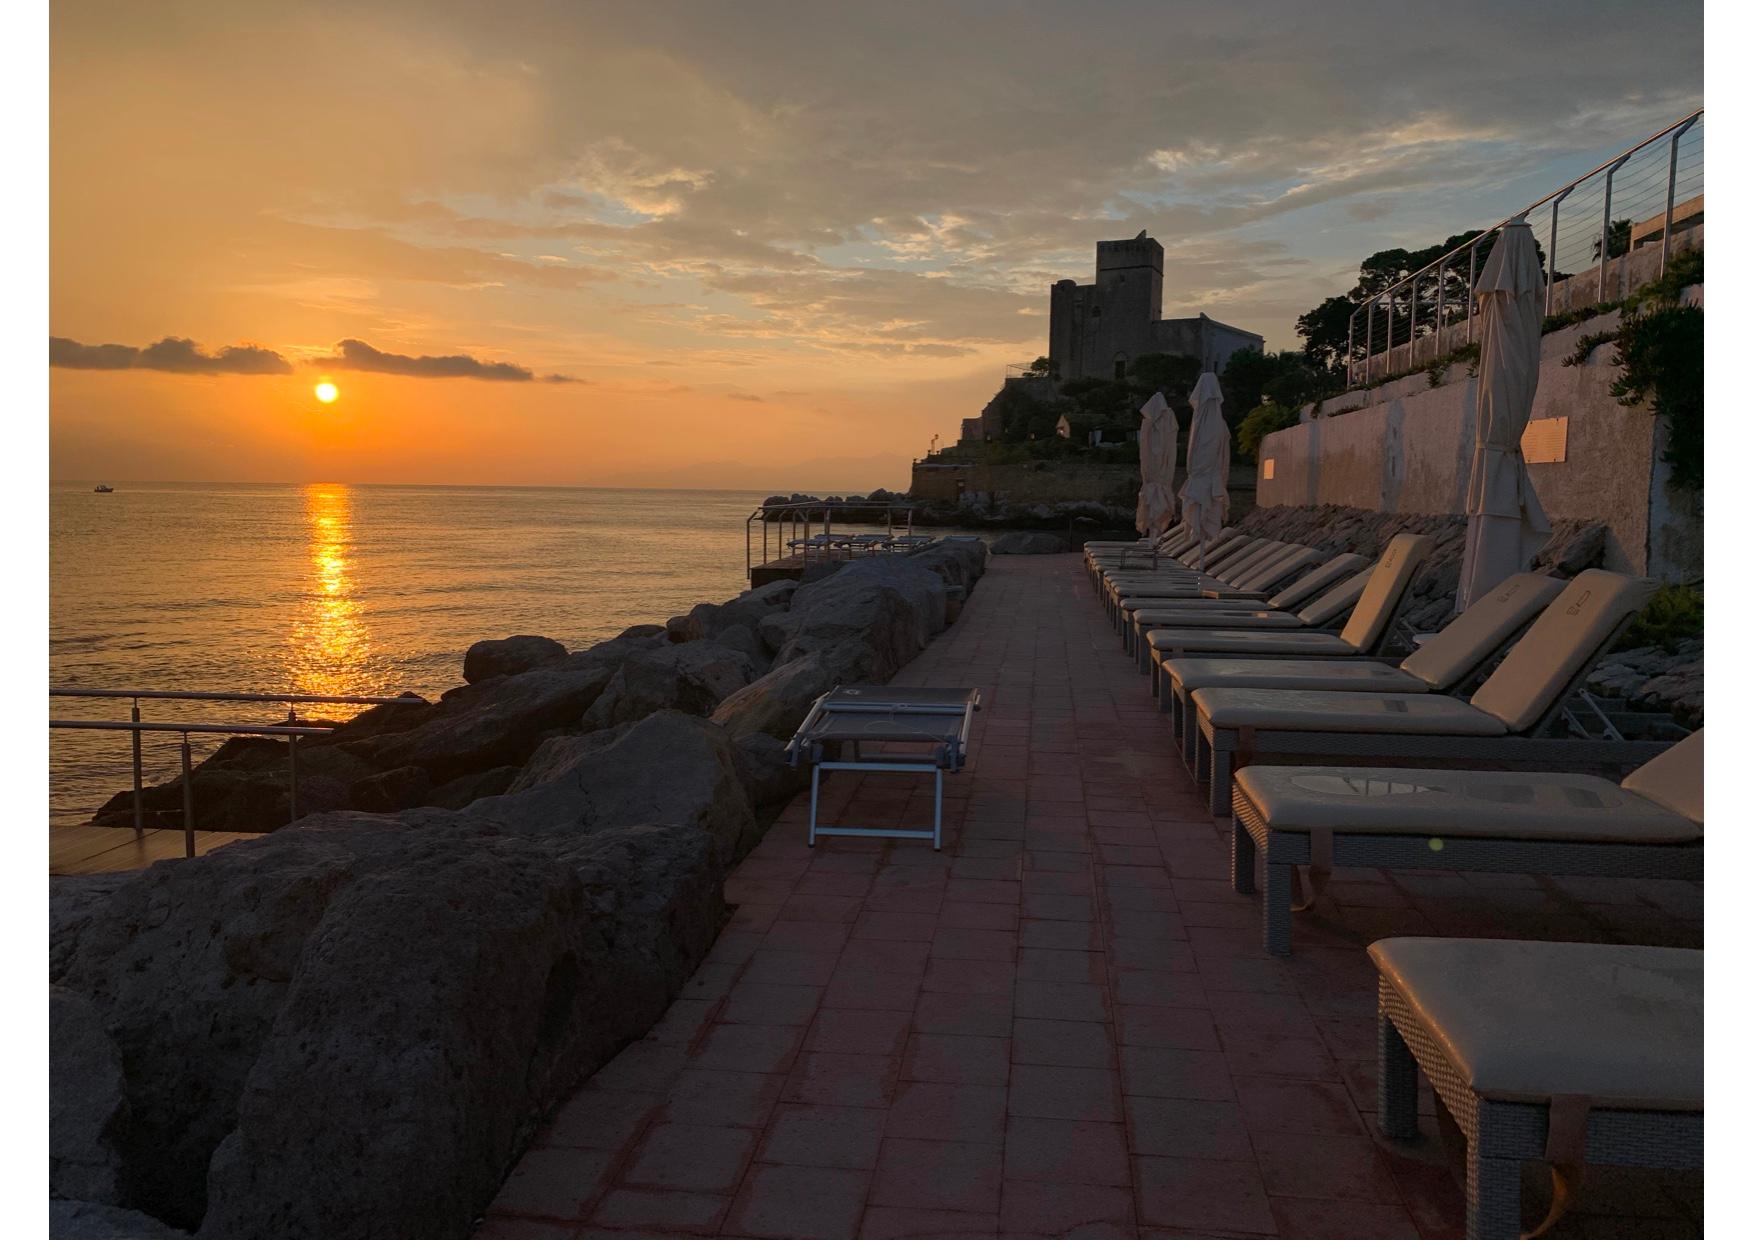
(1545, 440)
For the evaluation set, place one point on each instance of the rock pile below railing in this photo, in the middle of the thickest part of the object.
(352, 1026)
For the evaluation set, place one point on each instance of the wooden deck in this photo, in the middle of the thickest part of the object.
(108, 850)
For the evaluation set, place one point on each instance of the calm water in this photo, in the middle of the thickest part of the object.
(345, 589)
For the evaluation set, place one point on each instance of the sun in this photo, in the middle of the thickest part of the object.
(327, 392)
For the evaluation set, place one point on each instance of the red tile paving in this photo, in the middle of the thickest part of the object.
(1060, 1025)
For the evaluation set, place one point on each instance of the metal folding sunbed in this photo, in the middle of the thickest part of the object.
(932, 724)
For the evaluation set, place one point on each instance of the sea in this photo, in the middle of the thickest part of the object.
(328, 588)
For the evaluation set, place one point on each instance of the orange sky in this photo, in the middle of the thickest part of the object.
(773, 245)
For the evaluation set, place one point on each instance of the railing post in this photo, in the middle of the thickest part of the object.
(188, 799)
(1369, 333)
(292, 766)
(1442, 274)
(139, 782)
(1412, 328)
(1472, 275)
(1390, 333)
(1606, 229)
(1673, 167)
(1351, 348)
(1552, 249)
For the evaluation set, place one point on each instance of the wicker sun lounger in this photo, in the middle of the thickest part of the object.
(915, 729)
(1172, 633)
(1445, 662)
(1649, 826)
(1569, 1053)
(1244, 586)
(1514, 717)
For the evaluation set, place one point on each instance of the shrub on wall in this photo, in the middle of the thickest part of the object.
(1261, 421)
(1661, 358)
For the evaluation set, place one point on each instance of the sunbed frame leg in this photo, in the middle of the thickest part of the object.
(1494, 1196)
(1396, 1081)
(937, 813)
(1189, 733)
(815, 798)
(1220, 780)
(1242, 854)
(1275, 907)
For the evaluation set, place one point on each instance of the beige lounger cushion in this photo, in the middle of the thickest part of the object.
(1674, 779)
(1281, 568)
(1227, 597)
(1216, 617)
(1618, 1025)
(1388, 582)
(1555, 647)
(1362, 800)
(1468, 640)
(1310, 585)
(1338, 675)
(1328, 607)
(1252, 641)
(1297, 710)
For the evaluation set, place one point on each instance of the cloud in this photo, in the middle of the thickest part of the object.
(176, 354)
(357, 355)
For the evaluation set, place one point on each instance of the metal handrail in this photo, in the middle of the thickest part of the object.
(241, 729)
(1673, 132)
(789, 513)
(291, 730)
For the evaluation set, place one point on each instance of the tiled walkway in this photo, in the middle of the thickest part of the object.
(1061, 1025)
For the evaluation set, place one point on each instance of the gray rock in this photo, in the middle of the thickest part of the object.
(390, 790)
(768, 776)
(693, 677)
(464, 790)
(1027, 543)
(88, 1105)
(775, 704)
(891, 604)
(507, 656)
(668, 767)
(1571, 551)
(351, 1028)
(497, 722)
(89, 1220)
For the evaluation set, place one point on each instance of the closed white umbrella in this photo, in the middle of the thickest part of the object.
(1505, 523)
(1205, 496)
(1156, 466)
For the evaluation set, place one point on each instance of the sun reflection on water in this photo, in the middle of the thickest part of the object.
(330, 642)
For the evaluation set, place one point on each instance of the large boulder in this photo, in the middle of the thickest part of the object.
(892, 604)
(776, 703)
(351, 1028)
(88, 1105)
(668, 767)
(768, 775)
(693, 677)
(507, 656)
(1024, 542)
(497, 722)
(90, 1220)
(747, 610)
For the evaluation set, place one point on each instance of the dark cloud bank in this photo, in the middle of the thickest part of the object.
(174, 353)
(357, 355)
(179, 355)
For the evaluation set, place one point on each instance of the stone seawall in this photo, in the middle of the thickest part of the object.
(350, 1027)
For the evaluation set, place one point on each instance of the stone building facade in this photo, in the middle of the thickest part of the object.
(1097, 330)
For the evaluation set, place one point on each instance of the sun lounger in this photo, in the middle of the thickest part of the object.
(1512, 717)
(1570, 1053)
(1244, 585)
(1371, 598)
(1649, 826)
(1441, 665)
(932, 724)
(1301, 592)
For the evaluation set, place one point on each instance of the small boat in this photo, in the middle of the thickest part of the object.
(103, 489)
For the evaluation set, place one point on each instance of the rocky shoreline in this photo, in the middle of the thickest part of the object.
(353, 1025)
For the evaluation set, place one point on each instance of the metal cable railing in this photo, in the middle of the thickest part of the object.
(291, 729)
(1594, 224)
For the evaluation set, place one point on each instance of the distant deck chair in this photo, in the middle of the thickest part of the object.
(1303, 588)
(1246, 581)
(1511, 718)
(1570, 1053)
(1371, 598)
(1443, 663)
(1650, 825)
